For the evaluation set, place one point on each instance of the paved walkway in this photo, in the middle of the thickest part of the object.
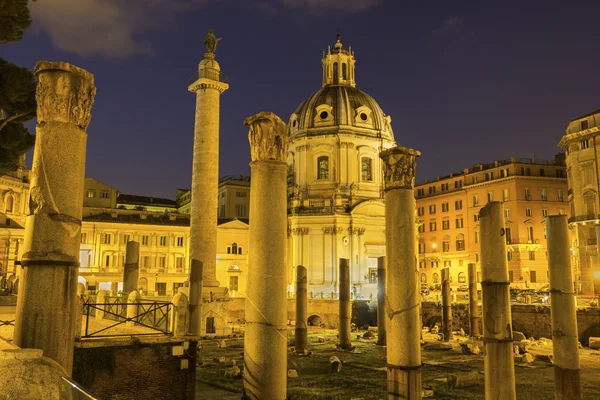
(207, 392)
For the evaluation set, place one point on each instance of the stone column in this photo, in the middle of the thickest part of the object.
(180, 314)
(131, 270)
(446, 306)
(381, 267)
(205, 186)
(567, 381)
(301, 309)
(499, 362)
(265, 339)
(45, 314)
(403, 299)
(133, 308)
(474, 313)
(345, 305)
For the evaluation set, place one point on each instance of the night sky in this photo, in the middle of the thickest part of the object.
(464, 82)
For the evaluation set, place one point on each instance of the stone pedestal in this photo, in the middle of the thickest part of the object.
(446, 306)
(499, 362)
(45, 314)
(131, 270)
(345, 305)
(205, 187)
(474, 313)
(265, 339)
(402, 284)
(567, 373)
(381, 268)
(301, 336)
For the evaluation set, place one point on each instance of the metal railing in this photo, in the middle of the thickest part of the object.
(154, 315)
(210, 74)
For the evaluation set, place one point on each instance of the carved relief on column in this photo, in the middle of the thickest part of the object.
(65, 93)
(300, 231)
(268, 137)
(399, 167)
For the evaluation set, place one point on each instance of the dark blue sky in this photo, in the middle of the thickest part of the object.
(464, 82)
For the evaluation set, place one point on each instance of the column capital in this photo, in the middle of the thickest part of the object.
(267, 136)
(65, 93)
(399, 167)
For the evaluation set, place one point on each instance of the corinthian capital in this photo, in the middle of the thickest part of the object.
(64, 93)
(399, 167)
(268, 137)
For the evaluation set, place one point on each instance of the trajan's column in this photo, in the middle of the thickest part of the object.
(205, 183)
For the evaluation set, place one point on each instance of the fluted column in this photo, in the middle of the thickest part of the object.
(46, 314)
(265, 339)
(205, 186)
(403, 297)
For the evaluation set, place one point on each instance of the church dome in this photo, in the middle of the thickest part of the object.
(338, 106)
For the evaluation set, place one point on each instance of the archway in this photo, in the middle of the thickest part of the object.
(315, 320)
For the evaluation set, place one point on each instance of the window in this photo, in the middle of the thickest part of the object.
(105, 239)
(421, 247)
(490, 197)
(431, 189)
(458, 205)
(432, 209)
(475, 217)
(179, 263)
(180, 241)
(527, 194)
(241, 210)
(460, 243)
(489, 176)
(459, 223)
(504, 173)
(444, 187)
(457, 184)
(234, 248)
(432, 227)
(366, 169)
(420, 211)
(559, 193)
(107, 261)
(477, 260)
(584, 144)
(162, 262)
(222, 195)
(126, 238)
(323, 167)
(91, 193)
(446, 246)
(530, 234)
(476, 237)
(448, 264)
(233, 283)
(505, 195)
(422, 264)
(475, 200)
(532, 255)
(423, 278)
(222, 210)
(528, 212)
(584, 125)
(420, 192)
(421, 228)
(446, 225)
(511, 276)
(533, 276)
(461, 277)
(104, 194)
(434, 264)
(241, 194)
(544, 212)
(589, 199)
(445, 207)
(507, 213)
(508, 236)
(544, 195)
(162, 240)
(145, 261)
(145, 240)
(509, 255)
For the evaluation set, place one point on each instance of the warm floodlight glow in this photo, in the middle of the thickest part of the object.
(597, 274)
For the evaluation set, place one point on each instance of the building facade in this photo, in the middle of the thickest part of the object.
(581, 144)
(448, 211)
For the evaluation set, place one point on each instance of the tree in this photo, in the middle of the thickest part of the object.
(17, 89)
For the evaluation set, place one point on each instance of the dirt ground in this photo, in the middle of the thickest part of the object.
(363, 374)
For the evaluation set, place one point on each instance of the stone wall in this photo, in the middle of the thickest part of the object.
(136, 368)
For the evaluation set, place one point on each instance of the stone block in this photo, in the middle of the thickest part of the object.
(527, 358)
(518, 336)
(594, 343)
(292, 373)
(438, 346)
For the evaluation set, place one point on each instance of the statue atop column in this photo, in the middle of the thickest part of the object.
(211, 42)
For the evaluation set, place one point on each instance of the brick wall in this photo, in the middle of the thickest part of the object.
(132, 369)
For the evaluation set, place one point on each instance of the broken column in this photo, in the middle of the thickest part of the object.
(567, 380)
(345, 305)
(46, 314)
(381, 301)
(402, 284)
(499, 363)
(446, 306)
(474, 313)
(131, 270)
(265, 339)
(301, 337)
(205, 183)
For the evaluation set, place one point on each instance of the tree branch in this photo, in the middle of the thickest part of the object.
(11, 118)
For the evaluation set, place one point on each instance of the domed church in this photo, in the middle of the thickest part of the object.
(335, 181)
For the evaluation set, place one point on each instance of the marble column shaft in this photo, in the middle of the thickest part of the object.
(474, 312)
(567, 373)
(265, 339)
(131, 270)
(46, 305)
(381, 272)
(205, 186)
(301, 336)
(403, 297)
(446, 306)
(498, 360)
(345, 305)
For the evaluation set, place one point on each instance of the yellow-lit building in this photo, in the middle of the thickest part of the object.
(448, 210)
(581, 143)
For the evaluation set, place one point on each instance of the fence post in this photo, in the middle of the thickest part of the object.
(132, 309)
(79, 315)
(179, 315)
(100, 301)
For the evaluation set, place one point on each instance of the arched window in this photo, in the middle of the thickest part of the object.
(323, 167)
(423, 278)
(460, 242)
(436, 278)
(461, 277)
(234, 248)
(335, 74)
(344, 71)
(366, 168)
(10, 201)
